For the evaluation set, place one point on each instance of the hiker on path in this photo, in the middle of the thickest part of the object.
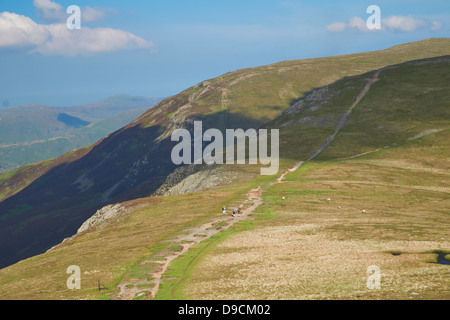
(234, 212)
(239, 212)
(224, 211)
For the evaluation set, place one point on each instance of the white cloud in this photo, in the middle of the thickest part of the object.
(355, 23)
(50, 11)
(337, 27)
(87, 41)
(20, 31)
(403, 23)
(393, 23)
(358, 23)
(91, 14)
(436, 25)
(55, 39)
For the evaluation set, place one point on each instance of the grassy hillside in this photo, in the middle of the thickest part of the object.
(406, 100)
(43, 207)
(312, 248)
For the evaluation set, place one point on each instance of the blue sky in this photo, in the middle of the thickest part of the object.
(159, 48)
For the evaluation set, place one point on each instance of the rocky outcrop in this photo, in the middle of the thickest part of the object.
(103, 217)
(100, 219)
(194, 178)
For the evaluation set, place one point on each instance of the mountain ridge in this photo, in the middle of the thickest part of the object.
(132, 162)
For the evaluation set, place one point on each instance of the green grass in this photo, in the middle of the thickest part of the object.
(4, 177)
(176, 248)
(219, 225)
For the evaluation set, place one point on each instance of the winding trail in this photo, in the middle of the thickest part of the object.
(344, 118)
(136, 288)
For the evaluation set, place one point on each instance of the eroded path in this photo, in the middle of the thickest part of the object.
(138, 287)
(340, 125)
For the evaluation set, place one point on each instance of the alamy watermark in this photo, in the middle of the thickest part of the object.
(74, 281)
(374, 21)
(74, 20)
(374, 279)
(190, 150)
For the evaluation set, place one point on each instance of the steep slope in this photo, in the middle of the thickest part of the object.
(403, 101)
(42, 207)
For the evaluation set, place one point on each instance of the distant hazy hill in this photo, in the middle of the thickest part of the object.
(34, 133)
(109, 107)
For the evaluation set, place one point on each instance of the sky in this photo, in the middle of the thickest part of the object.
(160, 48)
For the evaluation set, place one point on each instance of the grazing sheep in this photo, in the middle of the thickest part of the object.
(339, 207)
(364, 211)
(328, 199)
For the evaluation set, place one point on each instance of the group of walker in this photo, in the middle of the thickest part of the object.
(233, 212)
